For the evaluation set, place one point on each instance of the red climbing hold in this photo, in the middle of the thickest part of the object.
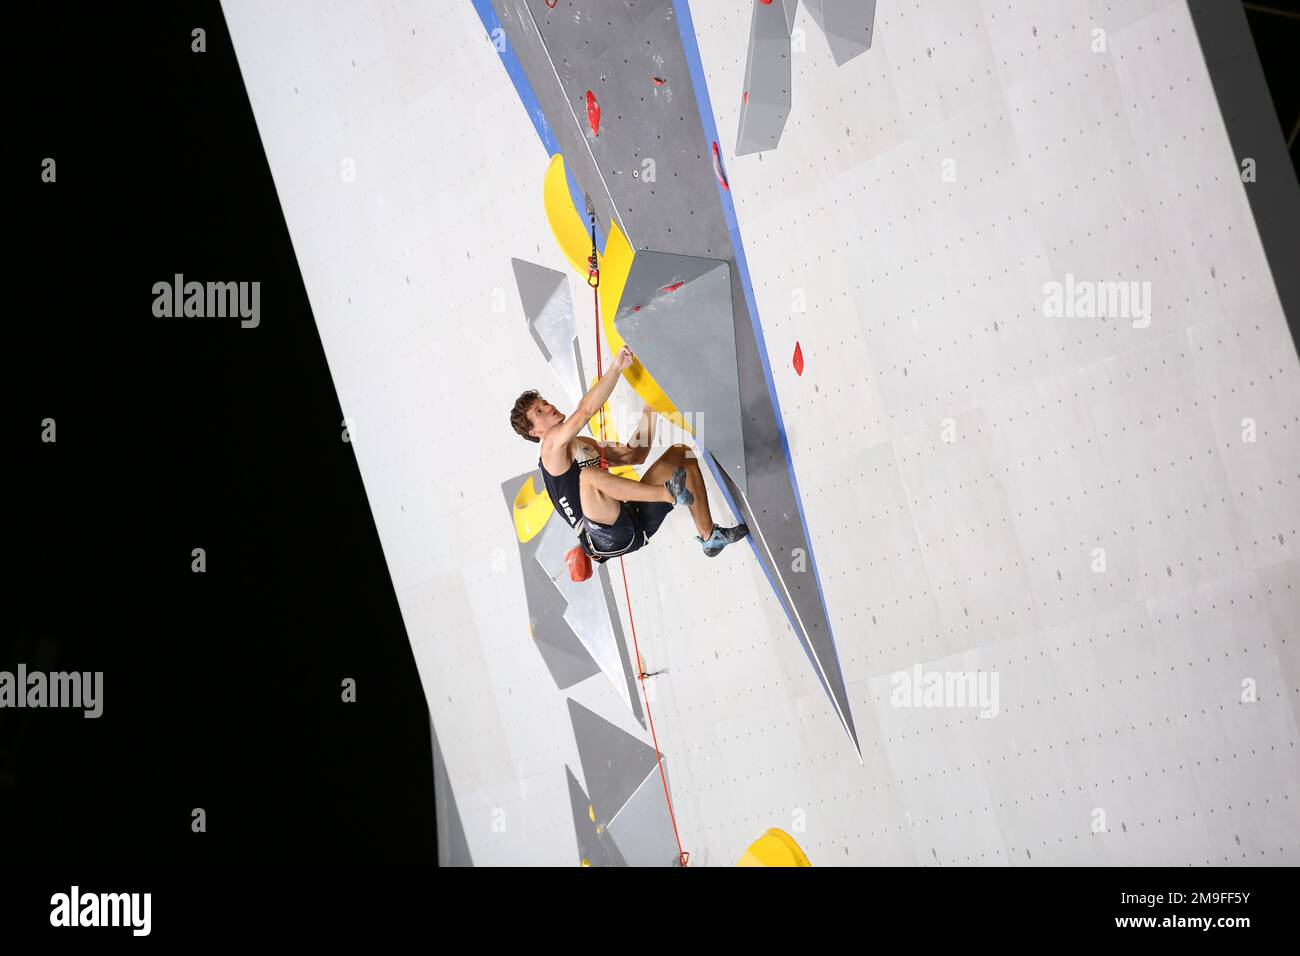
(744, 97)
(593, 113)
(717, 168)
(672, 288)
(659, 81)
(766, 3)
(798, 359)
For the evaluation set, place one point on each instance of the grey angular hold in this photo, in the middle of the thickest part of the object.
(765, 103)
(548, 309)
(847, 25)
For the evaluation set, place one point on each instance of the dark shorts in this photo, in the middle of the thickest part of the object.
(636, 523)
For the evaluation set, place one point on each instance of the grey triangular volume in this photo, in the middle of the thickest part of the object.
(564, 654)
(847, 25)
(453, 848)
(548, 310)
(577, 363)
(765, 105)
(571, 623)
(587, 612)
(643, 829)
(789, 6)
(595, 847)
(770, 507)
(613, 761)
(602, 574)
(537, 284)
(676, 314)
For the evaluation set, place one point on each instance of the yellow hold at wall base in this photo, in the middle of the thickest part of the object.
(774, 848)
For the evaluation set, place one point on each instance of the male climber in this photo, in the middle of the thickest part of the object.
(615, 515)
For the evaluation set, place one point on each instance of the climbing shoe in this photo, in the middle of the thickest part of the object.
(722, 537)
(676, 486)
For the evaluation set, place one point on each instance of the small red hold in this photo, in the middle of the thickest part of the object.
(636, 308)
(659, 81)
(717, 168)
(766, 3)
(744, 97)
(593, 113)
(798, 359)
(672, 288)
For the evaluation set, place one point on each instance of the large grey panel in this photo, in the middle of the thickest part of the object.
(615, 52)
(523, 32)
(676, 313)
(771, 509)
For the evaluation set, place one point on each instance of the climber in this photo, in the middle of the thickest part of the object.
(613, 515)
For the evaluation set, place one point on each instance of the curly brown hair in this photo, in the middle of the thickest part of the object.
(519, 414)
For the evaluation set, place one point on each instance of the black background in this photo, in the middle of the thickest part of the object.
(222, 690)
(1275, 28)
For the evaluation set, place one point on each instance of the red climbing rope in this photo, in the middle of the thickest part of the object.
(593, 280)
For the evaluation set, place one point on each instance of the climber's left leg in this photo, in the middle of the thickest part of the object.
(680, 456)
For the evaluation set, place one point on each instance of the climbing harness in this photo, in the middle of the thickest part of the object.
(599, 556)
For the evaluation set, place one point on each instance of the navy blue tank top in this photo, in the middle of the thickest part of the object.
(565, 492)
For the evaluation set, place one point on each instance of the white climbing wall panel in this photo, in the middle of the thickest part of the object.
(917, 300)
(1120, 691)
